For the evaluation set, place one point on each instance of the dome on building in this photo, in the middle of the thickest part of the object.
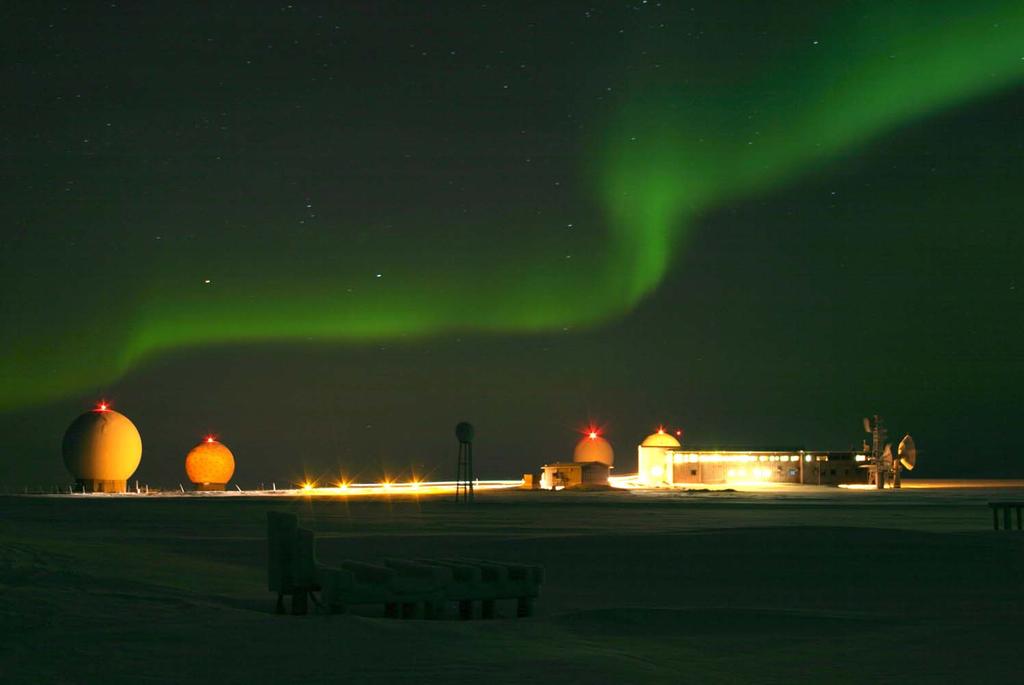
(594, 448)
(660, 439)
(102, 449)
(210, 465)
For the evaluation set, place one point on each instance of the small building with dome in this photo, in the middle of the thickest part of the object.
(653, 459)
(592, 461)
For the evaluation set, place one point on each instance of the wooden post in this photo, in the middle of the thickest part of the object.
(300, 603)
(524, 607)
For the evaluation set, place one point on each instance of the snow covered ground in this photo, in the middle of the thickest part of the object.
(771, 586)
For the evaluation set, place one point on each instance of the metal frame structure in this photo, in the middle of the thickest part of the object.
(464, 474)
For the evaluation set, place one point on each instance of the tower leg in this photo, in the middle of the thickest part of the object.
(464, 474)
(469, 475)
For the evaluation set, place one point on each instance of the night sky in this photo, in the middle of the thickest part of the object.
(328, 233)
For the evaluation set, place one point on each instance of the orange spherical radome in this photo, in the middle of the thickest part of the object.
(210, 463)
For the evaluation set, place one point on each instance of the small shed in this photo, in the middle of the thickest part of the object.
(574, 474)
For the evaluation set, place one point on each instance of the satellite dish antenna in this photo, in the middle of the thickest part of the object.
(907, 452)
(867, 425)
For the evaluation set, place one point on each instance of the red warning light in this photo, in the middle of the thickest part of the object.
(210, 438)
(102, 406)
(661, 430)
(679, 433)
(592, 435)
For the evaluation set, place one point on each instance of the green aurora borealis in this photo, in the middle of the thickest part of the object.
(696, 148)
(678, 141)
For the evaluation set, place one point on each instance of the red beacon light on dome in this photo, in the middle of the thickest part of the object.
(592, 435)
(102, 406)
(210, 439)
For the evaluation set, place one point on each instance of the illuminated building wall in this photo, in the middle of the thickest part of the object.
(665, 467)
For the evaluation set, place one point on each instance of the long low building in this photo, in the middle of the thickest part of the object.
(663, 462)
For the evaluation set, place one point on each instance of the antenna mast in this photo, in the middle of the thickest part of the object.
(880, 466)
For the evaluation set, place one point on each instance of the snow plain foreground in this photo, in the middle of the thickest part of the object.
(803, 585)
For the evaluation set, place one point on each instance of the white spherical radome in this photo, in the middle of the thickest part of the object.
(594, 448)
(660, 439)
(102, 445)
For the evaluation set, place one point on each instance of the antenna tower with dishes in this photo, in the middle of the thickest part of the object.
(464, 476)
(884, 465)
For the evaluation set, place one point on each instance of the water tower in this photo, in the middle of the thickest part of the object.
(464, 473)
